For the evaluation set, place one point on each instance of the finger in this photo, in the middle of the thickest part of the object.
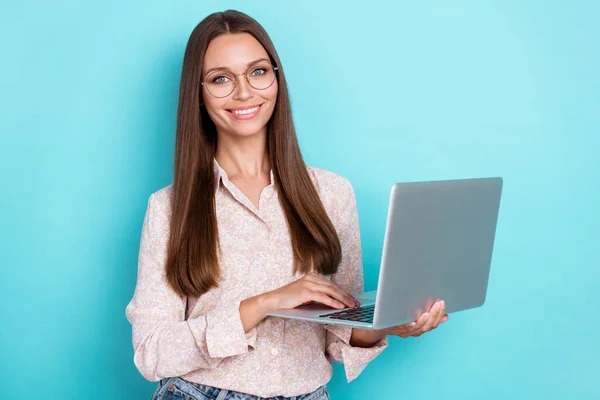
(429, 303)
(435, 310)
(412, 328)
(349, 297)
(436, 316)
(419, 323)
(333, 290)
(444, 318)
(323, 298)
(321, 280)
(440, 315)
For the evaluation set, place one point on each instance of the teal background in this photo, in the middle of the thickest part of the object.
(382, 92)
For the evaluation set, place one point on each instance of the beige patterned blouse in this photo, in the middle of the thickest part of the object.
(202, 340)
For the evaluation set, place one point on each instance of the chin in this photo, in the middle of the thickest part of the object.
(246, 130)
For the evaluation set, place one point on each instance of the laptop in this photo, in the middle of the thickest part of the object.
(438, 244)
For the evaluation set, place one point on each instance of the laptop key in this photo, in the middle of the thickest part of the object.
(359, 314)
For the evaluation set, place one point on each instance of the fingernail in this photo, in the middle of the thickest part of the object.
(412, 324)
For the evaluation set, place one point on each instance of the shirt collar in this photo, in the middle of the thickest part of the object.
(221, 175)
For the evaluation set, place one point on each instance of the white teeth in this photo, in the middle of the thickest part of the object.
(248, 111)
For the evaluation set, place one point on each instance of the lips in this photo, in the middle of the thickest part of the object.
(247, 112)
(244, 110)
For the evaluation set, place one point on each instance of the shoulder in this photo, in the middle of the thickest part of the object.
(160, 201)
(329, 183)
(163, 194)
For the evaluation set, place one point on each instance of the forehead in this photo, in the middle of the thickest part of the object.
(233, 51)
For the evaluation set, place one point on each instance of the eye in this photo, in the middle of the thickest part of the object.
(259, 71)
(221, 79)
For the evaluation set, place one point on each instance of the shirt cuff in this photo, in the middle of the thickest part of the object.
(355, 359)
(224, 333)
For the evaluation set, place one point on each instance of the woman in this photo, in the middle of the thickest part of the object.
(246, 228)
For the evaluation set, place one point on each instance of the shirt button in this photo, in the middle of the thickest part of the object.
(274, 351)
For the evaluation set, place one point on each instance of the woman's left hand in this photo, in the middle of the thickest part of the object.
(425, 323)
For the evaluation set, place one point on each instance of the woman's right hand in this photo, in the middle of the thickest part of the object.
(309, 288)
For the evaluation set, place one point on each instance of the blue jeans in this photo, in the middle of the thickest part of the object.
(180, 389)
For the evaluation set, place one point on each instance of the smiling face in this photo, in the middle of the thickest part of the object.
(246, 111)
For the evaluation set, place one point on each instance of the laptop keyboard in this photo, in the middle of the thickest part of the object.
(358, 314)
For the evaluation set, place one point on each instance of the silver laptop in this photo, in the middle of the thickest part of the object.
(438, 244)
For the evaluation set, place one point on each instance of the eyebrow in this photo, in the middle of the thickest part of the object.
(248, 65)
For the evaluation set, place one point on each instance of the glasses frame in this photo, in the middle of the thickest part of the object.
(235, 81)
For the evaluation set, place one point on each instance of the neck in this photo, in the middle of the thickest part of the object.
(245, 157)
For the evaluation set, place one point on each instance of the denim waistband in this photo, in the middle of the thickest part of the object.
(221, 394)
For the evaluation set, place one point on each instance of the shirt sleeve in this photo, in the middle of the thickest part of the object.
(165, 343)
(349, 277)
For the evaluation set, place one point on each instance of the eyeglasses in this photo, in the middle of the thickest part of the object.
(221, 83)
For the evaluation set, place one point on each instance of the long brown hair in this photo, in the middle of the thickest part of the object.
(193, 250)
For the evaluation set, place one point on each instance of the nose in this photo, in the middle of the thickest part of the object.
(242, 90)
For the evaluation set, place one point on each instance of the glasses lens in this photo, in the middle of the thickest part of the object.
(220, 84)
(261, 76)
